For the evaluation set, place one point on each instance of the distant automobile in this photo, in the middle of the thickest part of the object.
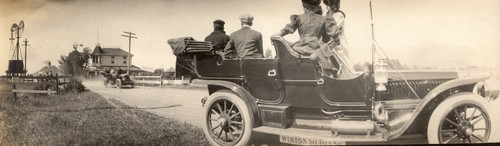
(118, 81)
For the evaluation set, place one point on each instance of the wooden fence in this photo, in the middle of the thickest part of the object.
(157, 80)
(48, 83)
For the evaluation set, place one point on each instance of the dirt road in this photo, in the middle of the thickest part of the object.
(179, 104)
(184, 105)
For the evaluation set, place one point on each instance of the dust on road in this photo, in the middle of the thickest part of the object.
(182, 105)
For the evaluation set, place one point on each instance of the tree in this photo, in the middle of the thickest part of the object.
(268, 53)
(86, 54)
(358, 67)
(65, 65)
(158, 72)
(398, 65)
(390, 65)
(75, 62)
(362, 67)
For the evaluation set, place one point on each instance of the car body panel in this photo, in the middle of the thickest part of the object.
(421, 75)
(430, 96)
(238, 90)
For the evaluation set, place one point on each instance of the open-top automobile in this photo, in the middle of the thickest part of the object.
(118, 81)
(288, 96)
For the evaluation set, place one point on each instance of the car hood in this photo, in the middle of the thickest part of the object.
(421, 75)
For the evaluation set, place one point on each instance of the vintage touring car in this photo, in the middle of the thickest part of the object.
(288, 96)
(119, 81)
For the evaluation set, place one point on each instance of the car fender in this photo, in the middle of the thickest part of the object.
(432, 95)
(240, 91)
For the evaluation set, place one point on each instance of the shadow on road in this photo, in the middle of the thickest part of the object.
(106, 108)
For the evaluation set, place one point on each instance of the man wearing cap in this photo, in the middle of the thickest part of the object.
(314, 31)
(218, 38)
(245, 43)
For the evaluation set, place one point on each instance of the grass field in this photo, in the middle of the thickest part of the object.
(86, 119)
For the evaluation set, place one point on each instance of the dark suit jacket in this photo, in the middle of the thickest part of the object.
(245, 43)
(219, 39)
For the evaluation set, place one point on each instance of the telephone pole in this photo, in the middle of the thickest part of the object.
(26, 53)
(130, 35)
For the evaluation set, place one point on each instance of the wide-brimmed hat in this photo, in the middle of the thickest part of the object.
(332, 3)
(310, 3)
(246, 18)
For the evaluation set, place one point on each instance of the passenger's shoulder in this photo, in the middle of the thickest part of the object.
(235, 32)
(256, 32)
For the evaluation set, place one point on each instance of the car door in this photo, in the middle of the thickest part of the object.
(346, 93)
(262, 79)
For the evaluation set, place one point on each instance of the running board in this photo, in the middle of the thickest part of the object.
(324, 135)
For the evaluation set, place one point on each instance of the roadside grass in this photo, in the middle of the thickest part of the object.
(87, 119)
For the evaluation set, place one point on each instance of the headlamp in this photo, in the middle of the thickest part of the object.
(381, 75)
(487, 89)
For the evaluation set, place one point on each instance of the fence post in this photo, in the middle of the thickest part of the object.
(57, 83)
(14, 81)
(161, 81)
(15, 93)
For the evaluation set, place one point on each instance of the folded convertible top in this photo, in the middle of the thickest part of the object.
(184, 45)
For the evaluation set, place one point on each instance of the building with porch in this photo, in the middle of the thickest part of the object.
(110, 58)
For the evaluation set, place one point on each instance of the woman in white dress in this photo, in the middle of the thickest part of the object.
(339, 44)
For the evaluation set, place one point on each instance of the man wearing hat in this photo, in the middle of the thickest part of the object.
(218, 38)
(314, 31)
(245, 43)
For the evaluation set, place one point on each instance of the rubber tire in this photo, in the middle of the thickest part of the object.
(240, 104)
(451, 103)
(118, 83)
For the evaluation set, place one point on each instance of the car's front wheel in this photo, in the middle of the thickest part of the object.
(464, 118)
(227, 119)
(118, 83)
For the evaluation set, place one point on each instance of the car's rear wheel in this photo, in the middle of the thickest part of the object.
(464, 118)
(118, 83)
(227, 119)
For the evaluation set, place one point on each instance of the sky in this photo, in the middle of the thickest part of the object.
(417, 32)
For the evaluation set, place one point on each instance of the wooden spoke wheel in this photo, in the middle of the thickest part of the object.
(228, 120)
(106, 83)
(118, 83)
(460, 119)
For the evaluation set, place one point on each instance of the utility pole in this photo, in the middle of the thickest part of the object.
(26, 53)
(129, 35)
(373, 39)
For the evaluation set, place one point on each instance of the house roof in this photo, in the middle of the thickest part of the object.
(132, 68)
(48, 69)
(98, 50)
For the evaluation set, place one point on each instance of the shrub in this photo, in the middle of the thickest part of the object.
(73, 86)
(42, 87)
